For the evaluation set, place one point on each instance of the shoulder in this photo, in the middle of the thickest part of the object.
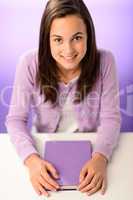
(106, 56)
(107, 61)
(29, 56)
(28, 64)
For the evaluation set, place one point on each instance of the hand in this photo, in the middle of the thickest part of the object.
(93, 175)
(40, 172)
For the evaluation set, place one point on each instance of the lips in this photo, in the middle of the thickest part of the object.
(69, 58)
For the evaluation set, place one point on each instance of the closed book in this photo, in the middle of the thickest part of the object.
(68, 157)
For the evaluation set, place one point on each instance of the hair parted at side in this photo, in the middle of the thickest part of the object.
(47, 76)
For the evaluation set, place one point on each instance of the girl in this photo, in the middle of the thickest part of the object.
(72, 87)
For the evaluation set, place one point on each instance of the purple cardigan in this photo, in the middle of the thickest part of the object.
(99, 112)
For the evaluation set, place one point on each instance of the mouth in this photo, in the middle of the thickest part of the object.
(69, 58)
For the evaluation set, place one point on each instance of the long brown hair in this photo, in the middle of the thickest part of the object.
(47, 76)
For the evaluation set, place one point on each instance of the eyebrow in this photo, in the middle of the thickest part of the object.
(81, 33)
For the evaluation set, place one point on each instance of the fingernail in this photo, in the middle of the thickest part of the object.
(55, 176)
(80, 180)
(57, 186)
(47, 195)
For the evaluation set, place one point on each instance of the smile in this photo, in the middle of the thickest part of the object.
(70, 58)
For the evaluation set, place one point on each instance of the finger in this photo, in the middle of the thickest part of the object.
(52, 169)
(82, 174)
(92, 184)
(96, 188)
(86, 181)
(45, 184)
(36, 188)
(104, 186)
(47, 177)
(43, 191)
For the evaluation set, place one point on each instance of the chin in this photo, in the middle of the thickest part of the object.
(69, 67)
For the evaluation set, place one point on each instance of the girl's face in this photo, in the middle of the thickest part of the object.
(68, 42)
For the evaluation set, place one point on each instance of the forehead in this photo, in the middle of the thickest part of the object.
(67, 25)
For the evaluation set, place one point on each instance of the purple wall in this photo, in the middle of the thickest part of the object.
(19, 29)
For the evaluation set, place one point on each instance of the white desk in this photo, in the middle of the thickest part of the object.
(15, 184)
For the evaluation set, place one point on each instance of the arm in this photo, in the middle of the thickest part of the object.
(20, 136)
(109, 129)
(93, 175)
(17, 118)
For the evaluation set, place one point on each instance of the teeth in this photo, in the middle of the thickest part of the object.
(69, 58)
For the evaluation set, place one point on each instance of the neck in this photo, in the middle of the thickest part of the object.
(67, 75)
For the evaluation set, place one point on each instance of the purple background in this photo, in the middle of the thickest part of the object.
(19, 31)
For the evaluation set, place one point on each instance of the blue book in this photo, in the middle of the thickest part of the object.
(68, 157)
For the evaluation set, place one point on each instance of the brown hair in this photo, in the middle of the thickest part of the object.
(47, 76)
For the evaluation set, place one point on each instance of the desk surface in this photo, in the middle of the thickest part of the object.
(15, 184)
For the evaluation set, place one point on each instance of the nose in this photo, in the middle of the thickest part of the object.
(68, 49)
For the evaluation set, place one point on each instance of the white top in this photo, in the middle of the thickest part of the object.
(68, 122)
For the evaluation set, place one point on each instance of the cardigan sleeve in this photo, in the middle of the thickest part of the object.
(19, 108)
(109, 129)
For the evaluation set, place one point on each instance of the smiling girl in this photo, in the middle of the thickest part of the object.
(72, 87)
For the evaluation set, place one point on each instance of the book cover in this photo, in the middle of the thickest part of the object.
(68, 157)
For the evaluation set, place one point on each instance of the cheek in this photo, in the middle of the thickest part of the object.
(54, 50)
(82, 48)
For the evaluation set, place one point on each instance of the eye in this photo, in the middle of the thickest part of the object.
(58, 40)
(77, 38)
